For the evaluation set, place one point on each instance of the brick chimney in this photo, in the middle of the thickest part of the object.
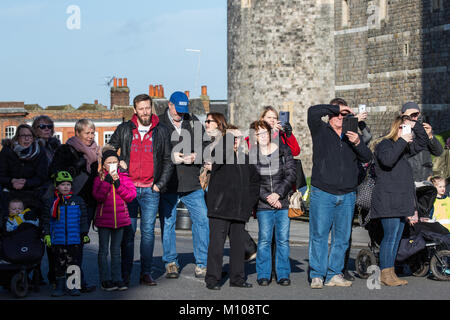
(205, 99)
(120, 94)
(151, 91)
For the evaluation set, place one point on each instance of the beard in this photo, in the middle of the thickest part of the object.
(144, 122)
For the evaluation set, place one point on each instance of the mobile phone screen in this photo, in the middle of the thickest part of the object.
(284, 117)
(406, 129)
(362, 108)
(112, 168)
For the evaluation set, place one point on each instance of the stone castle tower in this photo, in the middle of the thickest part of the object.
(292, 54)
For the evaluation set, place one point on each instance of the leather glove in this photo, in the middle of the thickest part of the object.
(86, 240)
(287, 128)
(109, 179)
(48, 241)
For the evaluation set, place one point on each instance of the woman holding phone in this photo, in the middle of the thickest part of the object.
(394, 197)
(112, 189)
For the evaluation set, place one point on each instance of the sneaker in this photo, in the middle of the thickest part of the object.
(121, 285)
(172, 271)
(109, 286)
(316, 283)
(338, 281)
(200, 272)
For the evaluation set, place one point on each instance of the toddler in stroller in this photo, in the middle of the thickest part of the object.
(21, 249)
(424, 245)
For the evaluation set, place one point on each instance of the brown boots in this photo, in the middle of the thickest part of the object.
(389, 278)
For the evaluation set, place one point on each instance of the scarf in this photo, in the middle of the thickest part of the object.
(90, 153)
(26, 153)
(56, 203)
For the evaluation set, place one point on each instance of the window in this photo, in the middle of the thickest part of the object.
(106, 136)
(10, 131)
(59, 136)
(383, 10)
(406, 49)
(345, 22)
(96, 137)
(436, 5)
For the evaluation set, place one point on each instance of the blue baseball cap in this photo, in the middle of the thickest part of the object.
(181, 101)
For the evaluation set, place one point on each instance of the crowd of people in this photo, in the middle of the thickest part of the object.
(153, 162)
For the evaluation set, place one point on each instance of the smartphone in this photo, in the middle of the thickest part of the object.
(406, 129)
(112, 168)
(362, 108)
(284, 117)
(350, 123)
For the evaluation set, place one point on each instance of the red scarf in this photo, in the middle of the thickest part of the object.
(56, 203)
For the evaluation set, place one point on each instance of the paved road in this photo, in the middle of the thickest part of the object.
(190, 288)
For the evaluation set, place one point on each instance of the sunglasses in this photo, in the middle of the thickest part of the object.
(209, 121)
(414, 115)
(45, 126)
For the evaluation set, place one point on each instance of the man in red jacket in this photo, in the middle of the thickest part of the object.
(145, 149)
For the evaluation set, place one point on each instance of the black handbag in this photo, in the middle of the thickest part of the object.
(301, 179)
(365, 190)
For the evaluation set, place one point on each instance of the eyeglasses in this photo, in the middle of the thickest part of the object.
(209, 121)
(26, 136)
(45, 126)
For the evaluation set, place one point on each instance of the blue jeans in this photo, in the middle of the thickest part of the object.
(148, 201)
(393, 230)
(195, 203)
(329, 212)
(267, 221)
(104, 235)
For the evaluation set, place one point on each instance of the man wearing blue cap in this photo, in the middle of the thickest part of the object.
(186, 130)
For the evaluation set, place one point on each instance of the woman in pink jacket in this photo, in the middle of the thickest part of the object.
(112, 189)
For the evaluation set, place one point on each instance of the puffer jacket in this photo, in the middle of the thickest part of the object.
(112, 211)
(278, 175)
(72, 224)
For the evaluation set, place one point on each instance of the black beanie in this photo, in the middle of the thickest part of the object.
(107, 154)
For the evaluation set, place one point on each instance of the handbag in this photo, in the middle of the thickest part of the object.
(364, 191)
(410, 246)
(297, 207)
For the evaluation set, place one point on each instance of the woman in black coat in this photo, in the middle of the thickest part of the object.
(232, 193)
(394, 197)
(277, 170)
(23, 167)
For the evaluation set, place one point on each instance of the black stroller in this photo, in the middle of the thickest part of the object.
(21, 254)
(424, 246)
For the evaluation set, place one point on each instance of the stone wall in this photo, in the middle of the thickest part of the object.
(280, 53)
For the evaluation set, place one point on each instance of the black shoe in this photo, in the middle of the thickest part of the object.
(121, 286)
(87, 289)
(348, 276)
(284, 282)
(147, 280)
(263, 282)
(242, 285)
(109, 286)
(74, 293)
(126, 279)
(213, 286)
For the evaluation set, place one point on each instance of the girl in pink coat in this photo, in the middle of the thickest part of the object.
(112, 189)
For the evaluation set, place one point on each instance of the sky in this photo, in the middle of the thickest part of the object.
(51, 54)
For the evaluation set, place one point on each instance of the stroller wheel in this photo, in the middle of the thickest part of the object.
(418, 264)
(19, 284)
(363, 261)
(440, 265)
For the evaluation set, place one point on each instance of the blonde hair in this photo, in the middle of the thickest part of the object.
(267, 109)
(392, 135)
(436, 179)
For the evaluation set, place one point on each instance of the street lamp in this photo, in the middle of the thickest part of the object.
(198, 67)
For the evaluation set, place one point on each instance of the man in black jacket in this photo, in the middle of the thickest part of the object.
(421, 163)
(187, 149)
(145, 148)
(333, 192)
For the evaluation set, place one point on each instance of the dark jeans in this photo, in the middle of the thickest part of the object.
(127, 246)
(219, 230)
(104, 236)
